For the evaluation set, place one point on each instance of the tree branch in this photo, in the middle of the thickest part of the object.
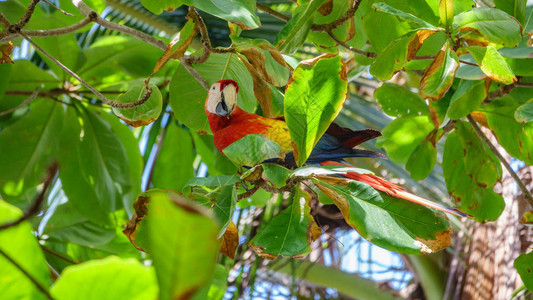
(5, 37)
(4, 21)
(27, 15)
(361, 52)
(28, 275)
(329, 27)
(33, 95)
(517, 179)
(83, 82)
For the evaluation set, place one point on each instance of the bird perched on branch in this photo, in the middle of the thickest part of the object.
(229, 123)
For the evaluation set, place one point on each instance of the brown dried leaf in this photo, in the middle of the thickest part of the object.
(5, 51)
(183, 40)
(261, 89)
(416, 42)
(441, 241)
(230, 241)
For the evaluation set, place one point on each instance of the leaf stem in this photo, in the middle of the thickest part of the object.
(33, 95)
(517, 179)
(28, 275)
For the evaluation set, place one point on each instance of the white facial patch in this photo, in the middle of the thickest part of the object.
(223, 102)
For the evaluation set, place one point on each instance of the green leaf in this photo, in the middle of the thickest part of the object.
(57, 47)
(494, 24)
(28, 146)
(313, 99)
(379, 39)
(294, 33)
(264, 57)
(240, 12)
(70, 226)
(402, 15)
(492, 64)
(26, 77)
(19, 243)
(223, 201)
(520, 66)
(471, 171)
(524, 113)
(290, 233)
(183, 244)
(212, 181)
(253, 149)
(174, 164)
(394, 224)
(275, 174)
(516, 8)
(109, 278)
(103, 161)
(109, 60)
(467, 98)
(438, 77)
(422, 160)
(402, 135)
(343, 32)
(143, 114)
(524, 265)
(446, 13)
(135, 161)
(187, 96)
(5, 69)
(399, 101)
(516, 138)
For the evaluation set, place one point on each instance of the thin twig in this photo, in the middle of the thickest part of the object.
(33, 95)
(54, 6)
(348, 15)
(87, 11)
(517, 179)
(206, 42)
(272, 12)
(500, 92)
(36, 205)
(83, 82)
(4, 21)
(194, 73)
(28, 275)
(6, 36)
(361, 52)
(58, 255)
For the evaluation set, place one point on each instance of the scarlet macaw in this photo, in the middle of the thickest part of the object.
(229, 123)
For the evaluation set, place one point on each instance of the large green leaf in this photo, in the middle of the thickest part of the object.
(290, 233)
(64, 48)
(402, 135)
(67, 225)
(143, 114)
(103, 161)
(183, 244)
(516, 138)
(294, 33)
(524, 265)
(25, 77)
(313, 99)
(398, 101)
(174, 163)
(109, 60)
(524, 113)
(345, 31)
(240, 12)
(492, 64)
(187, 96)
(494, 24)
(422, 160)
(446, 13)
(438, 77)
(394, 224)
(466, 98)
(402, 15)
(135, 161)
(222, 203)
(109, 278)
(19, 243)
(28, 146)
(515, 8)
(379, 39)
(471, 171)
(253, 149)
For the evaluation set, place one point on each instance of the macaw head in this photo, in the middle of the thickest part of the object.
(222, 98)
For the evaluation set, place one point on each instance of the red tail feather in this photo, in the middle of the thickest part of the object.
(394, 190)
